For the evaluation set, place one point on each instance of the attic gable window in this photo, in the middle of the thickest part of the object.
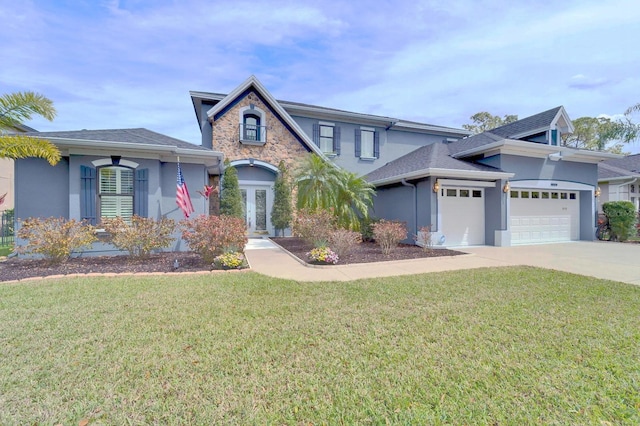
(252, 128)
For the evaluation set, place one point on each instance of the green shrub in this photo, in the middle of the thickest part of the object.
(388, 234)
(314, 226)
(210, 236)
(282, 211)
(622, 218)
(366, 227)
(55, 238)
(141, 236)
(231, 196)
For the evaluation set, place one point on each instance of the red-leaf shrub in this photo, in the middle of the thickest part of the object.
(210, 236)
(141, 236)
(55, 238)
(314, 226)
(388, 234)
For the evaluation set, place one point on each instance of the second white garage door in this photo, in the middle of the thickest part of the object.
(544, 216)
(462, 213)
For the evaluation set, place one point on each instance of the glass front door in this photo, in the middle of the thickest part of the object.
(256, 200)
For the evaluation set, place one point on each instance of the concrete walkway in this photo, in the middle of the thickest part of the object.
(613, 261)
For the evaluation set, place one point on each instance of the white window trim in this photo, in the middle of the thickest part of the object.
(263, 123)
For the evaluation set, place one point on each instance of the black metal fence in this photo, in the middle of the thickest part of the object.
(6, 228)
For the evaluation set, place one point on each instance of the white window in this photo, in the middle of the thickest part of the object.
(326, 138)
(366, 147)
(115, 192)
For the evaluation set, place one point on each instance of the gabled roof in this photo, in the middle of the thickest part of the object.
(619, 168)
(432, 160)
(506, 140)
(253, 83)
(131, 141)
(534, 124)
(320, 112)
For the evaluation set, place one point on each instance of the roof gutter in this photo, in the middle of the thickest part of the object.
(443, 173)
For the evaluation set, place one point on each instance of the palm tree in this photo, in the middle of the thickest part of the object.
(317, 181)
(15, 108)
(322, 185)
(353, 199)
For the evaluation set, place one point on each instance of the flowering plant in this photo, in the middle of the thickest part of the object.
(323, 255)
(230, 260)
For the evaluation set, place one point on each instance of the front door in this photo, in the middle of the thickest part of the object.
(257, 201)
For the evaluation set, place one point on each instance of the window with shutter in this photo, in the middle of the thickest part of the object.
(327, 137)
(115, 192)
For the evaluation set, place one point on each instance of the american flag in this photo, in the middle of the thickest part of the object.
(183, 200)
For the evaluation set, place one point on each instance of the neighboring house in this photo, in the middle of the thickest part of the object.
(120, 172)
(619, 180)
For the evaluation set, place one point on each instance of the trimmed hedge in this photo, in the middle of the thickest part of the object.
(622, 218)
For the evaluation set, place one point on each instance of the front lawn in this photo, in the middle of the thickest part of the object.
(492, 346)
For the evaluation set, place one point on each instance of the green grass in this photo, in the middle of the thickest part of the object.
(493, 346)
(6, 250)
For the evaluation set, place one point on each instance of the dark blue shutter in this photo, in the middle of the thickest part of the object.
(88, 194)
(141, 193)
(316, 134)
(336, 139)
(376, 144)
(358, 141)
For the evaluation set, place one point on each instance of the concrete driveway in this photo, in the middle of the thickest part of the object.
(612, 261)
(607, 260)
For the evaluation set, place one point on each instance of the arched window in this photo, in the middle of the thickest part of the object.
(115, 192)
(251, 127)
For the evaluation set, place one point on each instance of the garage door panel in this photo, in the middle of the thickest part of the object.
(540, 220)
(462, 216)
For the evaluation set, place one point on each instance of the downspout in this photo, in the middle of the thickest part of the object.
(415, 204)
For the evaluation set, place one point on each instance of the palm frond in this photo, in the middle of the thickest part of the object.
(21, 146)
(16, 108)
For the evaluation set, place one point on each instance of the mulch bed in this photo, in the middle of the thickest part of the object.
(365, 252)
(17, 269)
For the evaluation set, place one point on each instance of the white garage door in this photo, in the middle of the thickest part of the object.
(462, 216)
(545, 216)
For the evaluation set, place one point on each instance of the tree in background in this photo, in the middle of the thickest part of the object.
(594, 134)
(282, 212)
(323, 186)
(230, 197)
(483, 121)
(15, 108)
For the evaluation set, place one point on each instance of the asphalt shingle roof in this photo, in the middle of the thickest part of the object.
(619, 167)
(137, 136)
(433, 156)
(537, 121)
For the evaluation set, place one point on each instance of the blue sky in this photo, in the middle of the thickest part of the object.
(131, 63)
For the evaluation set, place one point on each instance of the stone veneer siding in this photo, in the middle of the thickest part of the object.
(280, 143)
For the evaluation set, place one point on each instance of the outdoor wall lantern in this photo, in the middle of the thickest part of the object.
(597, 192)
(251, 161)
(436, 186)
(506, 187)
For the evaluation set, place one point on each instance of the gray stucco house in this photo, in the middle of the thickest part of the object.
(619, 180)
(511, 185)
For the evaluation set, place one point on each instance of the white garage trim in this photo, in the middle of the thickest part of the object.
(551, 184)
